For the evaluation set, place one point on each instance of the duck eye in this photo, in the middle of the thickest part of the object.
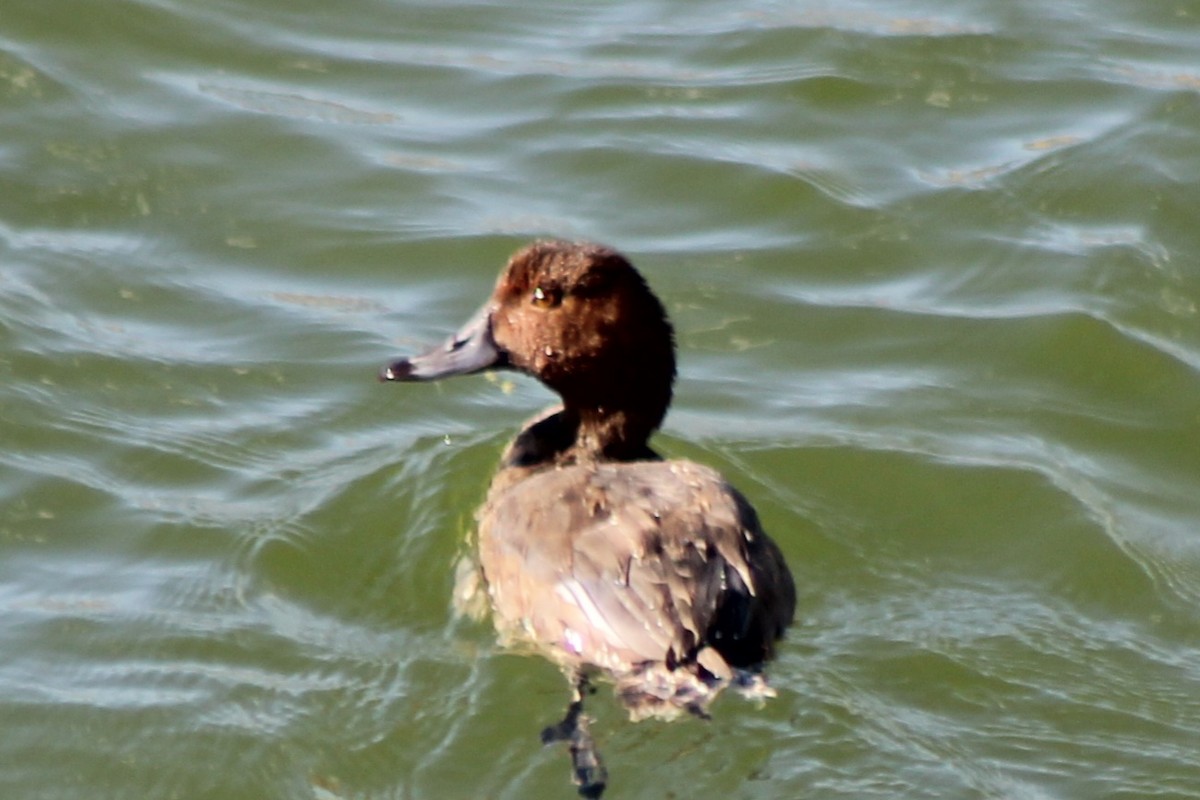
(546, 296)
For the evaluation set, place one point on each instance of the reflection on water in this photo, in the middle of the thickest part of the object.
(932, 276)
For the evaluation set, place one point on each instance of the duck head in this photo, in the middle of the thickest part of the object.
(579, 318)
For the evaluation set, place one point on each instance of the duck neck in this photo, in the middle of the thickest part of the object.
(562, 436)
(615, 418)
(615, 432)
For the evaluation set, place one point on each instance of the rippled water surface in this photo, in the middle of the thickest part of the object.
(934, 272)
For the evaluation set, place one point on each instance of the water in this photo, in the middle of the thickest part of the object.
(933, 269)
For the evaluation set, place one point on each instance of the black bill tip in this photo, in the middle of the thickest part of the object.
(401, 370)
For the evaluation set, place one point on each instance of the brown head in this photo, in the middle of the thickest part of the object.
(579, 318)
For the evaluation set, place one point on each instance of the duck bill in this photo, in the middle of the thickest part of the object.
(471, 349)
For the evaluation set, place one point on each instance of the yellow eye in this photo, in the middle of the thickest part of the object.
(547, 296)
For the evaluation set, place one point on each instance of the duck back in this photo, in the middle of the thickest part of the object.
(656, 572)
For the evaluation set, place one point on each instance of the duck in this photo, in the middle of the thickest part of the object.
(596, 552)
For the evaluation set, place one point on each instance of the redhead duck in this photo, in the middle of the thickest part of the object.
(595, 550)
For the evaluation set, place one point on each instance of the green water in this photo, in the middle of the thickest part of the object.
(934, 272)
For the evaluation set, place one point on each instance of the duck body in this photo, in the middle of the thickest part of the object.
(655, 573)
(596, 551)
